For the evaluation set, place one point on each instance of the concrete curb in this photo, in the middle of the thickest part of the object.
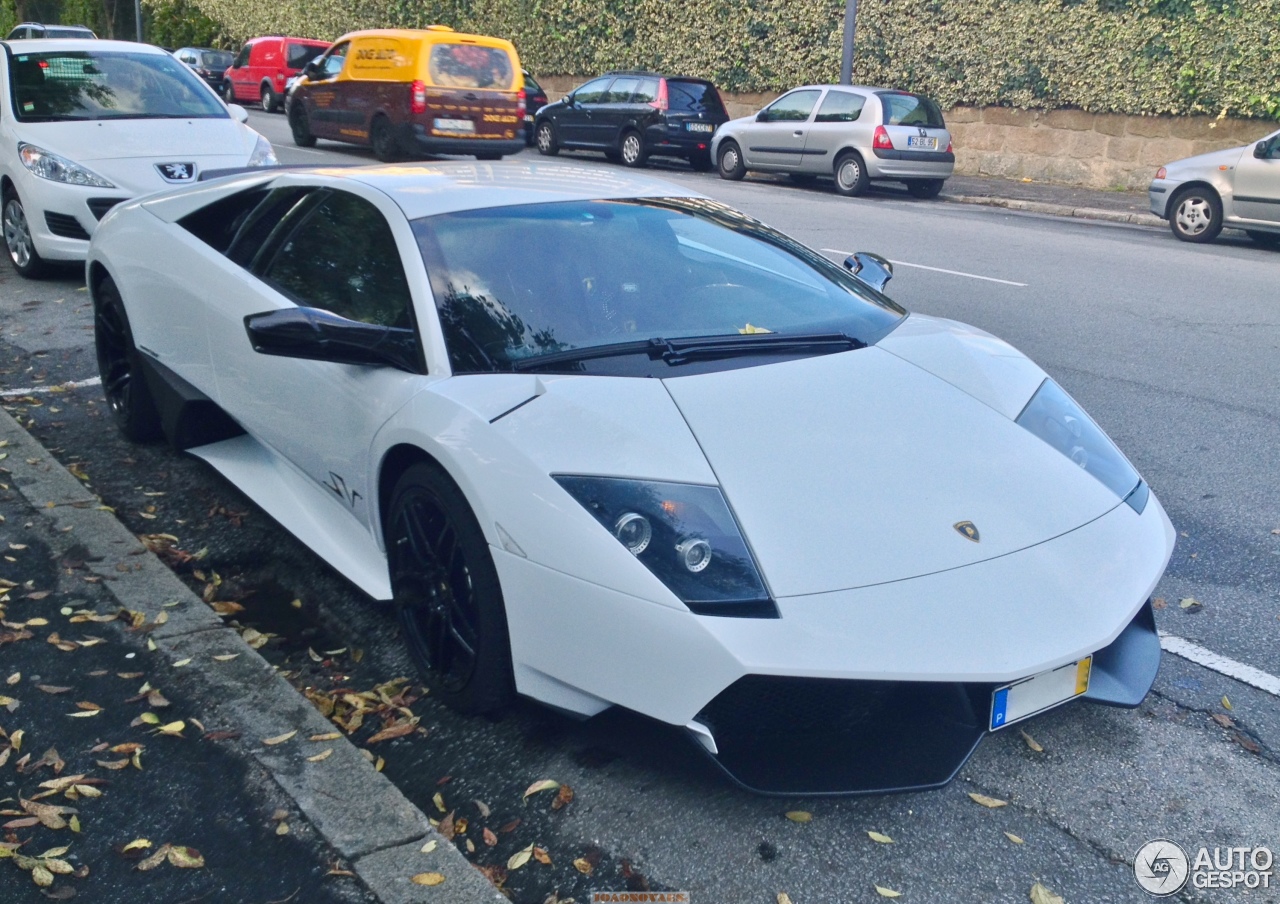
(1059, 210)
(363, 816)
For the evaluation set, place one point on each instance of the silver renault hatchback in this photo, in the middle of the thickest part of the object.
(852, 133)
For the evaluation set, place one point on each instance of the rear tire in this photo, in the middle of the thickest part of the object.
(851, 174)
(1265, 239)
(120, 366)
(1195, 215)
(300, 125)
(924, 188)
(229, 92)
(267, 99)
(383, 139)
(544, 136)
(730, 162)
(18, 241)
(447, 594)
(634, 153)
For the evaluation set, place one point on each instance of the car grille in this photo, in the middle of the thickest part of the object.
(99, 206)
(65, 225)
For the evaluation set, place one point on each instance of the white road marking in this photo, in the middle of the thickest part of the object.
(60, 387)
(1245, 674)
(1003, 282)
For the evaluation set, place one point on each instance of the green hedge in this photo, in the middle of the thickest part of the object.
(1124, 56)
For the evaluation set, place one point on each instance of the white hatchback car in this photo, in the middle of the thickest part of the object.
(87, 124)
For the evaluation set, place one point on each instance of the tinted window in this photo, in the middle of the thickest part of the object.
(343, 258)
(333, 60)
(910, 110)
(242, 59)
(692, 97)
(215, 59)
(298, 55)
(254, 230)
(218, 223)
(620, 91)
(793, 107)
(840, 106)
(532, 84)
(67, 33)
(625, 271)
(647, 92)
(592, 92)
(81, 84)
(471, 66)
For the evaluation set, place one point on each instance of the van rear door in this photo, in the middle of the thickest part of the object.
(472, 91)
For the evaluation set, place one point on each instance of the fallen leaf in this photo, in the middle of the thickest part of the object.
(1031, 742)
(52, 689)
(799, 816)
(322, 755)
(41, 876)
(185, 857)
(520, 857)
(1042, 895)
(784, 898)
(430, 846)
(438, 800)
(483, 808)
(1189, 602)
(989, 802)
(584, 866)
(397, 730)
(1014, 838)
(1247, 742)
(113, 764)
(1226, 704)
(446, 827)
(879, 838)
(541, 855)
(1224, 720)
(181, 662)
(138, 844)
(489, 837)
(427, 879)
(282, 828)
(225, 657)
(155, 859)
(327, 736)
(14, 678)
(89, 707)
(279, 739)
(563, 798)
(545, 785)
(1158, 603)
(172, 729)
(887, 892)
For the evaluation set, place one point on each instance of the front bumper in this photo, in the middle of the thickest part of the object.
(1158, 195)
(63, 218)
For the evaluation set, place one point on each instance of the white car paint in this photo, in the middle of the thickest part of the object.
(845, 471)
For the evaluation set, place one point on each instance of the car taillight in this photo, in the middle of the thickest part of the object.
(522, 102)
(1161, 173)
(418, 102)
(881, 139)
(660, 103)
(950, 149)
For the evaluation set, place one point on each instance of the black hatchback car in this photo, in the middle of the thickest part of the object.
(632, 116)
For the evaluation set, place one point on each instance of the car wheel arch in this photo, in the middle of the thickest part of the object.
(398, 459)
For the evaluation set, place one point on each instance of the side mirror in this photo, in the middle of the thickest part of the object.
(871, 269)
(312, 69)
(238, 113)
(1261, 149)
(316, 335)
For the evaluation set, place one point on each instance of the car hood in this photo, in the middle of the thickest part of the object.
(853, 469)
(1203, 162)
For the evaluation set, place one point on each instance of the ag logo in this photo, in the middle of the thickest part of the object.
(1161, 868)
(968, 530)
(176, 172)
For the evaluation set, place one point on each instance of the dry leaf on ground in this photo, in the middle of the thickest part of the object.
(427, 879)
(989, 802)
(1041, 895)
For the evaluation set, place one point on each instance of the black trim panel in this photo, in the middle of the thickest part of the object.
(1257, 200)
(799, 153)
(919, 156)
(1158, 191)
(65, 226)
(188, 417)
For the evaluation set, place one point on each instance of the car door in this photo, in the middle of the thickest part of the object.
(573, 122)
(341, 252)
(238, 74)
(776, 139)
(613, 112)
(835, 126)
(325, 97)
(1257, 182)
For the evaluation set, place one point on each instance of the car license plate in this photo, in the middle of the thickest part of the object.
(699, 127)
(528, 117)
(455, 125)
(1024, 698)
(922, 142)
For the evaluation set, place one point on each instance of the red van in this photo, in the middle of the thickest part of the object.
(263, 65)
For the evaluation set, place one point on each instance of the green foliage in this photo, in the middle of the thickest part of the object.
(180, 23)
(1123, 56)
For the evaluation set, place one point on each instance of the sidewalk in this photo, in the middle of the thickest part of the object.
(1054, 200)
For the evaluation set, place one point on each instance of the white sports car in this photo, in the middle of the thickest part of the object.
(672, 461)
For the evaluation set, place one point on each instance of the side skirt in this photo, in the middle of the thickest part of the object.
(187, 416)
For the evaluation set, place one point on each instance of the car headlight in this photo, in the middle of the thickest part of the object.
(684, 534)
(263, 153)
(1054, 416)
(58, 169)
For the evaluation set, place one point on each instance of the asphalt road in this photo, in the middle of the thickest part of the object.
(1172, 348)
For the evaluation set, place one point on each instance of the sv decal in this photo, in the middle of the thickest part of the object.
(340, 489)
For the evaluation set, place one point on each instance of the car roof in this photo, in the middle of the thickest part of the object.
(427, 189)
(644, 73)
(52, 45)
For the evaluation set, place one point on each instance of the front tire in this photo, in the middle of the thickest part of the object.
(730, 162)
(447, 594)
(544, 136)
(851, 174)
(383, 138)
(924, 188)
(300, 125)
(120, 366)
(18, 241)
(634, 153)
(1196, 215)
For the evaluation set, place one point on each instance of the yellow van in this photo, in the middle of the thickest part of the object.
(401, 91)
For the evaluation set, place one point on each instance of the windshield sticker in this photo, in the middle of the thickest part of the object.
(750, 330)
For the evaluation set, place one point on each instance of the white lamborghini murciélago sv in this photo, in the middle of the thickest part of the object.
(671, 460)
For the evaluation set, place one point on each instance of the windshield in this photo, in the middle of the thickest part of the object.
(80, 84)
(298, 55)
(910, 110)
(610, 272)
(215, 59)
(693, 97)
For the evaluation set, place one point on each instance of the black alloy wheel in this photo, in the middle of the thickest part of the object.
(120, 366)
(383, 138)
(446, 592)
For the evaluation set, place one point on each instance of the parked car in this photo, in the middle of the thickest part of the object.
(1238, 187)
(632, 116)
(262, 67)
(534, 100)
(581, 477)
(88, 124)
(404, 91)
(853, 134)
(37, 30)
(208, 63)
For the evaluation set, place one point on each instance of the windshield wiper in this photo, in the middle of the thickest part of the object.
(681, 351)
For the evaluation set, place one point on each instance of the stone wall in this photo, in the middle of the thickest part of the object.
(1093, 150)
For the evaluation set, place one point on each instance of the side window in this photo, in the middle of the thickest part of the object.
(840, 106)
(591, 92)
(218, 223)
(343, 258)
(333, 61)
(647, 92)
(242, 58)
(253, 230)
(620, 91)
(793, 107)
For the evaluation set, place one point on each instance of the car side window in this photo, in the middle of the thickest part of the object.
(342, 258)
(592, 92)
(621, 90)
(333, 61)
(242, 58)
(647, 92)
(840, 106)
(253, 230)
(793, 107)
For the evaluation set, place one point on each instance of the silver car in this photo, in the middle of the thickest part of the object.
(1238, 187)
(852, 133)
